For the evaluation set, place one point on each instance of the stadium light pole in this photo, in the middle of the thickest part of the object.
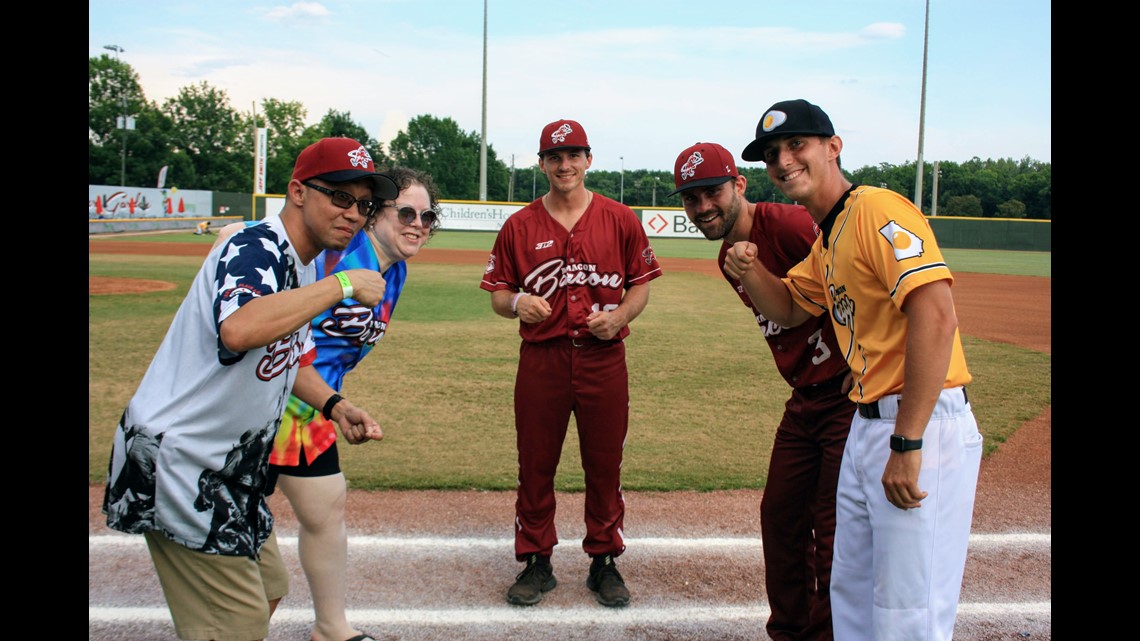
(922, 113)
(123, 125)
(621, 193)
(483, 138)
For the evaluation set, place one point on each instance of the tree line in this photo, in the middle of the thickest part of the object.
(207, 144)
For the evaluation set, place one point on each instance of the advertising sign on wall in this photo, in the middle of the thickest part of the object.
(671, 223)
(475, 216)
(105, 201)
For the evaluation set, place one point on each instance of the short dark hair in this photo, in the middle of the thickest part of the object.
(405, 177)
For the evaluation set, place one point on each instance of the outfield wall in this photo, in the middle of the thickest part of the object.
(182, 210)
(120, 225)
(671, 222)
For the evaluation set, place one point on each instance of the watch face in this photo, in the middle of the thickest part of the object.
(902, 444)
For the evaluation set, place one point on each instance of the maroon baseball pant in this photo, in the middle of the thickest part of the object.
(797, 512)
(556, 378)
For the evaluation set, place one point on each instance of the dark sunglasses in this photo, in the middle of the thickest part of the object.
(407, 216)
(345, 200)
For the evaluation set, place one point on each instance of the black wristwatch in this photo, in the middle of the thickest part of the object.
(900, 443)
(327, 410)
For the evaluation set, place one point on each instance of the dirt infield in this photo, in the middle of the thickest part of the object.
(1014, 497)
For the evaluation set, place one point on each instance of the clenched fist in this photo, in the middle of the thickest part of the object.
(739, 258)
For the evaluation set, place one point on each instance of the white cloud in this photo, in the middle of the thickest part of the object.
(892, 30)
(298, 11)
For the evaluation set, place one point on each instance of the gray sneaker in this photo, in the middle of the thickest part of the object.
(538, 577)
(605, 579)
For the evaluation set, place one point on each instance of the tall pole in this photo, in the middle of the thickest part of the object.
(934, 191)
(123, 125)
(511, 182)
(922, 113)
(621, 194)
(483, 141)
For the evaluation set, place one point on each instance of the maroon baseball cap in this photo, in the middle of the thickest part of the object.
(787, 118)
(562, 134)
(702, 165)
(342, 160)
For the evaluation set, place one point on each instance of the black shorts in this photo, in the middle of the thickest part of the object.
(327, 463)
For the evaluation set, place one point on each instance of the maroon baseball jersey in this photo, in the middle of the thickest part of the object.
(580, 271)
(806, 354)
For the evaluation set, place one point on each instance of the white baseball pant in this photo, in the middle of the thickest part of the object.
(897, 574)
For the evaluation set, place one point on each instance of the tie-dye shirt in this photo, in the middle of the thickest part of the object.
(344, 334)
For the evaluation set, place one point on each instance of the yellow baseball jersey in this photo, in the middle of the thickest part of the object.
(874, 248)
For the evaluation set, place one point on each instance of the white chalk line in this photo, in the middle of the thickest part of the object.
(1017, 539)
(560, 616)
(507, 615)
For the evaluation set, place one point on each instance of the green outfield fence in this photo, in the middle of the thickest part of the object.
(952, 232)
(993, 233)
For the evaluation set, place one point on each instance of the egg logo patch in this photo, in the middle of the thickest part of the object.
(773, 119)
(904, 242)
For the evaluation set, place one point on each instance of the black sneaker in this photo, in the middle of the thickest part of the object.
(605, 579)
(538, 577)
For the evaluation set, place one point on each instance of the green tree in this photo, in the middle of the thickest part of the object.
(113, 90)
(208, 130)
(530, 183)
(968, 205)
(338, 124)
(1034, 187)
(285, 125)
(1011, 209)
(206, 144)
(439, 147)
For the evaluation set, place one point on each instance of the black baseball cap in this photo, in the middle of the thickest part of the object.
(787, 118)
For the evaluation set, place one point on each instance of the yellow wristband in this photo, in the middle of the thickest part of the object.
(345, 284)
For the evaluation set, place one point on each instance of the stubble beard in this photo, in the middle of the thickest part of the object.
(727, 220)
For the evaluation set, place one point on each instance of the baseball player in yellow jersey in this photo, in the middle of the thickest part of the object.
(905, 497)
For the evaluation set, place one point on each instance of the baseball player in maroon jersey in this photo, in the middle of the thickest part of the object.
(574, 268)
(797, 513)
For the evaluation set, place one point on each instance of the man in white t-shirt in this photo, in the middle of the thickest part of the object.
(189, 459)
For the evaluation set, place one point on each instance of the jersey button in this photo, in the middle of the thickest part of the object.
(573, 298)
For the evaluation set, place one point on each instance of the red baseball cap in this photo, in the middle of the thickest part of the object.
(702, 165)
(562, 134)
(342, 160)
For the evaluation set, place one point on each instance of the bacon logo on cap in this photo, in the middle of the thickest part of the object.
(360, 157)
(559, 135)
(689, 169)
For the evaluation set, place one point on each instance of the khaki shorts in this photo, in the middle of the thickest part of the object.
(214, 596)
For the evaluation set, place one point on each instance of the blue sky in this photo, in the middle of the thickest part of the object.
(644, 78)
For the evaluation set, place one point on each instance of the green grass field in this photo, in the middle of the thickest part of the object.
(705, 396)
(984, 261)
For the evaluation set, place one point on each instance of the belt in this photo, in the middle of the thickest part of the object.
(827, 387)
(871, 410)
(581, 341)
(586, 341)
